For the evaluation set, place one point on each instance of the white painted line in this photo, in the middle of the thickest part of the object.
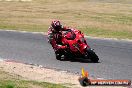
(1, 59)
(116, 39)
(23, 31)
(44, 33)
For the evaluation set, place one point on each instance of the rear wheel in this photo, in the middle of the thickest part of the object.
(92, 56)
(58, 55)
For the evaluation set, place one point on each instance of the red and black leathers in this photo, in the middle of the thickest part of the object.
(55, 38)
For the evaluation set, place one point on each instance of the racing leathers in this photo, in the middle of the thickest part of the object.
(55, 37)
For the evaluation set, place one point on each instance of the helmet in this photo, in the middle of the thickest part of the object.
(56, 25)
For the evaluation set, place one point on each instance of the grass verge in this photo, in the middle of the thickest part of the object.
(14, 81)
(93, 31)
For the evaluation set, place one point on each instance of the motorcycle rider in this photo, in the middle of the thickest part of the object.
(55, 38)
(55, 35)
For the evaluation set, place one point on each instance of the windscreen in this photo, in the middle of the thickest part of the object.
(70, 35)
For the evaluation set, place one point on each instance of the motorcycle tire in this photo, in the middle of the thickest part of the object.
(58, 57)
(93, 57)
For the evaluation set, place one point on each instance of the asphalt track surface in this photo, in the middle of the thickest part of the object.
(115, 55)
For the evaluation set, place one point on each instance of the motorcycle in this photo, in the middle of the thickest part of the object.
(77, 46)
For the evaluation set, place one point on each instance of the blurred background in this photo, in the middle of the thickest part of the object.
(97, 18)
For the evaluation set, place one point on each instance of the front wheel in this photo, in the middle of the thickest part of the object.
(92, 56)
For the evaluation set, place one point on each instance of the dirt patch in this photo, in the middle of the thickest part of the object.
(30, 72)
(41, 74)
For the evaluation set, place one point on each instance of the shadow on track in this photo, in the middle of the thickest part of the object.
(80, 60)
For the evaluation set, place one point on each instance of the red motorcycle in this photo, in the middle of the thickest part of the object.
(77, 46)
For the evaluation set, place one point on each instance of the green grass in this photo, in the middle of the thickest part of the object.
(106, 33)
(100, 18)
(113, 18)
(24, 27)
(27, 84)
(8, 80)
